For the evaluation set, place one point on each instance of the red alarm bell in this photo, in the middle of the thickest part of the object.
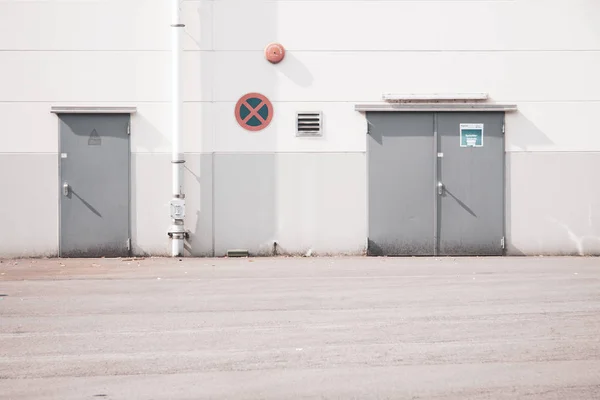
(274, 53)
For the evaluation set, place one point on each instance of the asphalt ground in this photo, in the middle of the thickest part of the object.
(300, 328)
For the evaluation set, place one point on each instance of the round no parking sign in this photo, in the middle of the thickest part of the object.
(254, 112)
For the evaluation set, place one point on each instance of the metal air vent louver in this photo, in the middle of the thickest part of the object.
(309, 124)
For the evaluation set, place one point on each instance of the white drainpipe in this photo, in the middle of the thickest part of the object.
(177, 232)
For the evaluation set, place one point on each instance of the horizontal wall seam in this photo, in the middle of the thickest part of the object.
(553, 151)
(253, 152)
(34, 153)
(336, 51)
(301, 152)
(129, 102)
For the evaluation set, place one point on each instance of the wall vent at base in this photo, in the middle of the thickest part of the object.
(237, 253)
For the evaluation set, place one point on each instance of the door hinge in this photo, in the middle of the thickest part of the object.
(128, 244)
(502, 243)
(129, 129)
(503, 128)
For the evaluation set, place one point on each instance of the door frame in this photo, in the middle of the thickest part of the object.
(436, 109)
(89, 110)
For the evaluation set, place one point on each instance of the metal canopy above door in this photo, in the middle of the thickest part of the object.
(434, 188)
(94, 185)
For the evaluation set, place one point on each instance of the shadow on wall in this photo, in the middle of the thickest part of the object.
(562, 241)
(295, 70)
(198, 177)
(510, 247)
(154, 140)
(585, 245)
(524, 133)
(194, 233)
(152, 147)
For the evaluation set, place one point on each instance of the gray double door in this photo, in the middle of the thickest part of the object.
(436, 183)
(94, 185)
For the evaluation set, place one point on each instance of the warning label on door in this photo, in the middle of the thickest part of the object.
(471, 135)
(94, 139)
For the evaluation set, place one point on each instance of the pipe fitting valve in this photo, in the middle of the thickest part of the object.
(178, 208)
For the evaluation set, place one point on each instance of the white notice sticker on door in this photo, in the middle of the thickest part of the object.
(63, 155)
(471, 135)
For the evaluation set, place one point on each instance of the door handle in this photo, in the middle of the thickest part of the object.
(66, 189)
(440, 187)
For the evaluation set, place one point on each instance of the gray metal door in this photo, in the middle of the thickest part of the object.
(401, 177)
(94, 185)
(471, 170)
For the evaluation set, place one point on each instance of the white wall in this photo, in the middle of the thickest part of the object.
(541, 54)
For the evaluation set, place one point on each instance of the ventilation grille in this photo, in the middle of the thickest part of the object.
(309, 124)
